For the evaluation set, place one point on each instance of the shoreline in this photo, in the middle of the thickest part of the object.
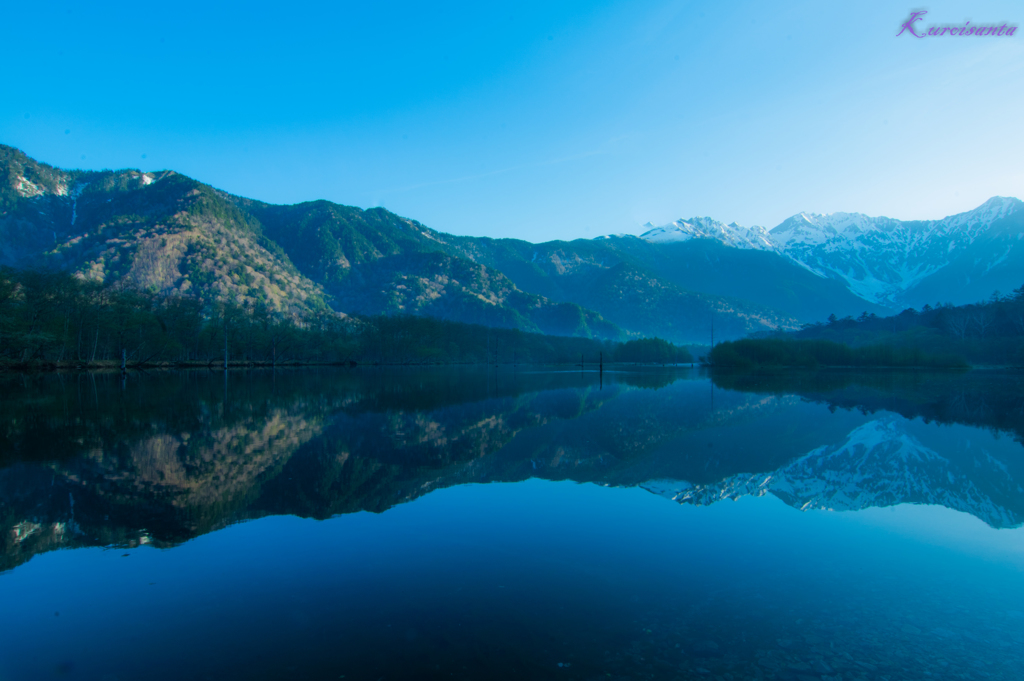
(112, 366)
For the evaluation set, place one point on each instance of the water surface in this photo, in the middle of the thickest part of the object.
(369, 524)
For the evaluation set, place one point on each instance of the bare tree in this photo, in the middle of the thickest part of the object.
(958, 323)
(982, 318)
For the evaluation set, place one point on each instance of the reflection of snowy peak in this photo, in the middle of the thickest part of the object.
(879, 464)
(705, 228)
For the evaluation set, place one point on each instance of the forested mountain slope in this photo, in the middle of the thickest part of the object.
(167, 234)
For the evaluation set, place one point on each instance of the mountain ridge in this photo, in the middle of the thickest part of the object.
(172, 235)
(882, 260)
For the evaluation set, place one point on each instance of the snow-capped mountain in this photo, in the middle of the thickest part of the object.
(878, 464)
(961, 258)
(884, 260)
(756, 238)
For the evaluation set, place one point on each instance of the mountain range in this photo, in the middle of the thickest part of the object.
(171, 235)
(959, 259)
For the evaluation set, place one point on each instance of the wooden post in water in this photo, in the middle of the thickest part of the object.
(124, 361)
(601, 362)
(225, 347)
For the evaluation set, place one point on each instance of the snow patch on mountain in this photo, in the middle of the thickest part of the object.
(881, 258)
(756, 238)
(27, 188)
(74, 194)
(878, 258)
(623, 235)
(814, 229)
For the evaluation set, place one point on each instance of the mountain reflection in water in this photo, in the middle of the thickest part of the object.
(159, 459)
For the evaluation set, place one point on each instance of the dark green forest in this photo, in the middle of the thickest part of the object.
(55, 320)
(985, 333)
(751, 353)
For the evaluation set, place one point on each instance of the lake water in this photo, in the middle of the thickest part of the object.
(492, 524)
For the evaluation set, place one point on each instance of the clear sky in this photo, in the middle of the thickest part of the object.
(536, 120)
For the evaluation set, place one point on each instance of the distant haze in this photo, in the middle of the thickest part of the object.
(532, 120)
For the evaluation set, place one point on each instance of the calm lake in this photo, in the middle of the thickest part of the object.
(512, 524)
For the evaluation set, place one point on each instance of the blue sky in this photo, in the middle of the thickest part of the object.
(532, 120)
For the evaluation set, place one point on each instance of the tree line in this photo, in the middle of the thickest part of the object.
(54, 319)
(986, 332)
(751, 353)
